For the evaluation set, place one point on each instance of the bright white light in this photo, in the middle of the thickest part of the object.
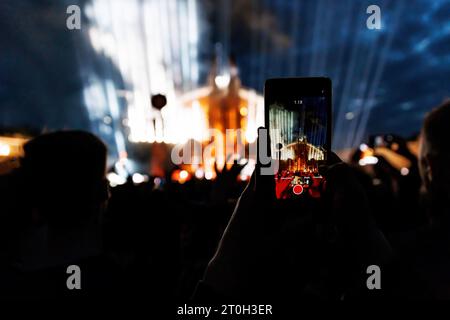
(107, 120)
(243, 177)
(198, 123)
(199, 173)
(159, 132)
(251, 135)
(255, 114)
(5, 150)
(222, 81)
(154, 45)
(115, 180)
(368, 160)
(121, 167)
(139, 178)
(349, 115)
(404, 171)
(95, 39)
(208, 175)
(363, 147)
(248, 169)
(183, 174)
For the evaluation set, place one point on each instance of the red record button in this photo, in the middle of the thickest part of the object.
(297, 189)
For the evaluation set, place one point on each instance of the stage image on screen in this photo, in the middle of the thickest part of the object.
(298, 131)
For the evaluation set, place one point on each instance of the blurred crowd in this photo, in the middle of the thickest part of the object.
(388, 205)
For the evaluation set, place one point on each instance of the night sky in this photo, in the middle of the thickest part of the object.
(383, 80)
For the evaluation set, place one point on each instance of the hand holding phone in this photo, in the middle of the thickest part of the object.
(298, 116)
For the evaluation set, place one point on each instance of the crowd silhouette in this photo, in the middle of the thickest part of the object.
(213, 241)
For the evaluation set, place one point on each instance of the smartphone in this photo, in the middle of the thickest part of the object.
(298, 116)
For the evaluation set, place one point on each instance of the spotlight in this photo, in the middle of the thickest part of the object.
(115, 179)
(208, 175)
(222, 81)
(139, 178)
(183, 174)
(199, 173)
(368, 160)
(404, 171)
(5, 150)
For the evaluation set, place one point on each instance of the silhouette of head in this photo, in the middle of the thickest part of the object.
(434, 155)
(64, 176)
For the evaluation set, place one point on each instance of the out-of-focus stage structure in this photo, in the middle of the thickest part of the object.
(155, 48)
(223, 110)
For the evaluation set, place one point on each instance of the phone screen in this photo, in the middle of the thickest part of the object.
(298, 115)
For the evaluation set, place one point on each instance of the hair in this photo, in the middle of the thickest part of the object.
(436, 130)
(65, 171)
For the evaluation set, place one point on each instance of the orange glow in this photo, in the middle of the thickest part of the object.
(180, 176)
(11, 146)
(243, 111)
(220, 110)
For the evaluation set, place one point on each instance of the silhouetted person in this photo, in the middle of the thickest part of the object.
(434, 161)
(422, 268)
(292, 250)
(60, 192)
